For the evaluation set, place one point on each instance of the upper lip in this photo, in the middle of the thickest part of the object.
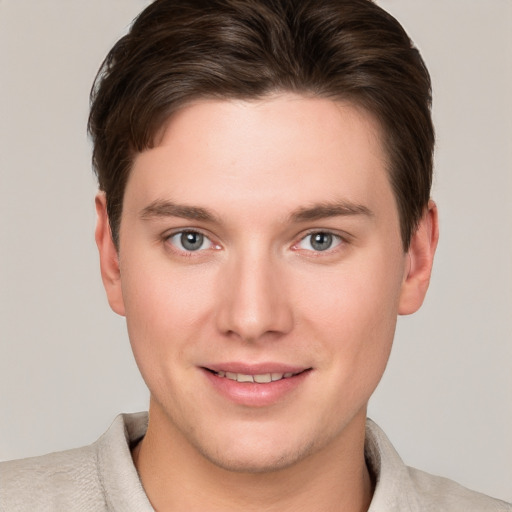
(255, 369)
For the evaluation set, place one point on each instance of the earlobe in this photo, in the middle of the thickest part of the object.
(421, 257)
(109, 258)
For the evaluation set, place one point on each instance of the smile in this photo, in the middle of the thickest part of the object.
(256, 385)
(262, 378)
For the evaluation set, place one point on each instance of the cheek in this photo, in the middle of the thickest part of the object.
(159, 293)
(165, 310)
(354, 298)
(354, 312)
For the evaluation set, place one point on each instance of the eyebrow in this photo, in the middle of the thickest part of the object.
(328, 209)
(163, 208)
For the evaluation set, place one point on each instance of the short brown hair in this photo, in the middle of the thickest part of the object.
(178, 51)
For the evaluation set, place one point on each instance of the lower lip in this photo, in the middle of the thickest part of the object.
(252, 394)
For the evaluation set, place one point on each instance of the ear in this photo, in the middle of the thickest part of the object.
(109, 258)
(421, 257)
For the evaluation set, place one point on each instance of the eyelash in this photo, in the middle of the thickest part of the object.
(334, 239)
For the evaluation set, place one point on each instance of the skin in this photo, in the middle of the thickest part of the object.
(258, 292)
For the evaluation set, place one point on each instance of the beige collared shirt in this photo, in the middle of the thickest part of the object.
(102, 478)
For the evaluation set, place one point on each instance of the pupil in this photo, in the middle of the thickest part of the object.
(192, 241)
(321, 241)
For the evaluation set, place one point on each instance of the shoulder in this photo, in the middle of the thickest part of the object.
(94, 478)
(66, 480)
(441, 494)
(401, 488)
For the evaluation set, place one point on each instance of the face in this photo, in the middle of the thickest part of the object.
(261, 270)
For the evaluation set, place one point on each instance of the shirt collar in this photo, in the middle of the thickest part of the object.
(393, 489)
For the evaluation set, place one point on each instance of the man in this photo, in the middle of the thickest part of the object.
(264, 215)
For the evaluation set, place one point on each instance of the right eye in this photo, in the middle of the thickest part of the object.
(190, 241)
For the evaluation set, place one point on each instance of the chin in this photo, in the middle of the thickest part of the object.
(255, 461)
(257, 454)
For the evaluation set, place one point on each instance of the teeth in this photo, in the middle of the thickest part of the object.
(240, 377)
(263, 378)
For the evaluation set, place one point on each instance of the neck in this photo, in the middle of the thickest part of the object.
(176, 477)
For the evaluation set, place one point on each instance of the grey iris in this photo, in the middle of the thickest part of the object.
(191, 241)
(321, 241)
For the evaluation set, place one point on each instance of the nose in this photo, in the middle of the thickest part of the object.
(254, 301)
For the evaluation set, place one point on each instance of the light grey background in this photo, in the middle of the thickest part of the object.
(65, 364)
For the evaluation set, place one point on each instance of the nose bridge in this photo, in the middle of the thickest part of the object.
(255, 300)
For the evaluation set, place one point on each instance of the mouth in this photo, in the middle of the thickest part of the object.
(259, 378)
(256, 385)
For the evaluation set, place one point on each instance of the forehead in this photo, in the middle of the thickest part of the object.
(283, 149)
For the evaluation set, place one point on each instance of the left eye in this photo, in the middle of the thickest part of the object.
(319, 241)
(190, 241)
